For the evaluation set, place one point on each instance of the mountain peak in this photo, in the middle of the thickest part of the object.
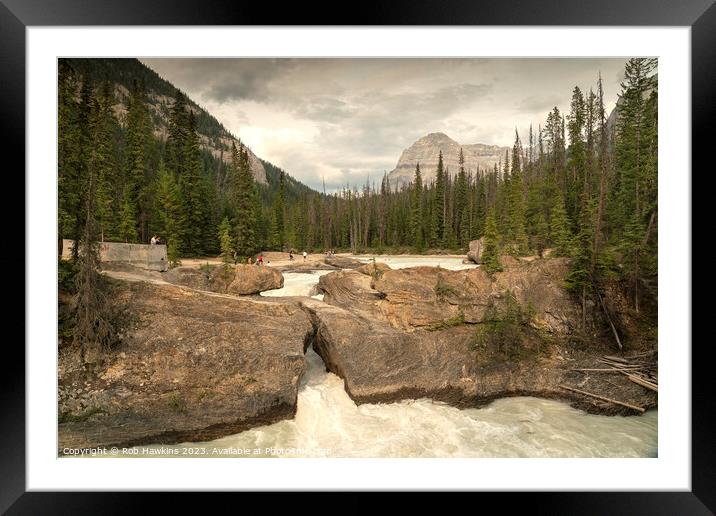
(427, 149)
(437, 137)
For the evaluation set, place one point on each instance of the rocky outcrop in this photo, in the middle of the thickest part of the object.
(193, 366)
(427, 149)
(374, 269)
(381, 363)
(424, 296)
(414, 333)
(343, 262)
(308, 266)
(188, 277)
(475, 252)
(351, 290)
(245, 280)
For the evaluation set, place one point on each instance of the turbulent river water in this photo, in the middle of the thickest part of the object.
(329, 424)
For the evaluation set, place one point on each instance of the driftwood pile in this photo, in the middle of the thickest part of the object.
(637, 369)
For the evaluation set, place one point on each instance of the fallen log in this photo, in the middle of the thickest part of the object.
(596, 370)
(643, 383)
(620, 365)
(616, 359)
(597, 396)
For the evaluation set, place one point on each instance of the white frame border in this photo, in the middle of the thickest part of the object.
(670, 471)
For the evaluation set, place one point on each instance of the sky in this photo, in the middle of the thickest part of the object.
(344, 120)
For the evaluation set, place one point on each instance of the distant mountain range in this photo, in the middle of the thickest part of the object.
(427, 149)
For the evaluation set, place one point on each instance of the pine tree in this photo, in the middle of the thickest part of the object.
(491, 251)
(581, 275)
(69, 163)
(438, 221)
(138, 136)
(226, 242)
(127, 223)
(193, 217)
(461, 203)
(559, 228)
(103, 159)
(176, 139)
(279, 209)
(632, 142)
(517, 233)
(603, 167)
(577, 152)
(416, 214)
(94, 329)
(632, 246)
(168, 208)
(246, 209)
(541, 235)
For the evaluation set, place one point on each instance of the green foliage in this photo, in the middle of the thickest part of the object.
(416, 209)
(491, 250)
(173, 253)
(437, 230)
(227, 243)
(443, 290)
(96, 314)
(66, 274)
(168, 212)
(278, 228)
(66, 417)
(176, 402)
(458, 320)
(536, 197)
(207, 268)
(245, 204)
(559, 228)
(541, 234)
(505, 329)
(127, 223)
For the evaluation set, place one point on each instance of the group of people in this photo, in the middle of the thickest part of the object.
(259, 260)
(260, 257)
(330, 253)
(156, 240)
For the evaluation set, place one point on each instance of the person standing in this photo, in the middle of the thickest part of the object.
(305, 255)
(153, 241)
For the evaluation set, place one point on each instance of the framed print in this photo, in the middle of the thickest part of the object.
(419, 252)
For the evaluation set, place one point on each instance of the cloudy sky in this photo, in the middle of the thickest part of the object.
(343, 120)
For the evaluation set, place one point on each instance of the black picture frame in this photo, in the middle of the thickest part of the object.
(700, 15)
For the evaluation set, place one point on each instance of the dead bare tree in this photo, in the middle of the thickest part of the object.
(94, 330)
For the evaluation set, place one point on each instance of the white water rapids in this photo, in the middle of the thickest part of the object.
(329, 424)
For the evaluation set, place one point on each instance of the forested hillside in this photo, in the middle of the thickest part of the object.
(571, 184)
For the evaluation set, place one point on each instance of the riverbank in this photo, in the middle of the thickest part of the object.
(388, 339)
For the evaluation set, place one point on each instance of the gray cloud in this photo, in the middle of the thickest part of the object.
(343, 120)
(535, 103)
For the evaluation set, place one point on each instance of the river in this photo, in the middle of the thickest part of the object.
(329, 424)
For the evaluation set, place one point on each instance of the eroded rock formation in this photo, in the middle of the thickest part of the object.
(194, 366)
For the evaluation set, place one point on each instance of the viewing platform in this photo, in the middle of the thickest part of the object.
(151, 257)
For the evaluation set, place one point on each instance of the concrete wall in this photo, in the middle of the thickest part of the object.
(152, 257)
